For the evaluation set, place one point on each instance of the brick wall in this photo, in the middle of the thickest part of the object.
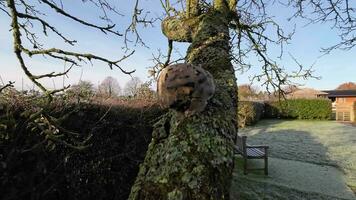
(345, 108)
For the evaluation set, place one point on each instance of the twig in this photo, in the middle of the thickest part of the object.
(10, 84)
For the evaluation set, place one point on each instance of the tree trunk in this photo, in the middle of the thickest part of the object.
(192, 157)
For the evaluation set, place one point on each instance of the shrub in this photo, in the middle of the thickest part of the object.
(319, 109)
(84, 91)
(249, 112)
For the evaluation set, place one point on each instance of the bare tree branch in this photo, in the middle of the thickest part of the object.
(340, 13)
(3, 8)
(80, 57)
(106, 29)
(10, 84)
(45, 25)
(135, 20)
(30, 14)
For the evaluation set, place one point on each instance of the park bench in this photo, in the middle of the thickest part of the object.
(251, 152)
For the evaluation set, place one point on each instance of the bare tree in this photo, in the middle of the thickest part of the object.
(290, 89)
(132, 86)
(145, 92)
(192, 158)
(109, 87)
(347, 86)
(83, 90)
(247, 92)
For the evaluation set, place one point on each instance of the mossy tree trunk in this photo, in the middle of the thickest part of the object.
(192, 158)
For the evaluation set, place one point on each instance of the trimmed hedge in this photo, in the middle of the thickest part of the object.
(316, 109)
(33, 168)
(249, 112)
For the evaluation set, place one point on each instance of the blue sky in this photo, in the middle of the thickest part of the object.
(334, 69)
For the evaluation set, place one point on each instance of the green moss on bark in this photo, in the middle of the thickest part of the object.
(179, 28)
(192, 158)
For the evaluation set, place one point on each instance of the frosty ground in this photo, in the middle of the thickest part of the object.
(307, 160)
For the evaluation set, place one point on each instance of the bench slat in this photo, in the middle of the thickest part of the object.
(254, 152)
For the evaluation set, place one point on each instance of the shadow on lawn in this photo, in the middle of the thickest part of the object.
(292, 144)
(288, 178)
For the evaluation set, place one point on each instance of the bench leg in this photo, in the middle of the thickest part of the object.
(266, 165)
(245, 166)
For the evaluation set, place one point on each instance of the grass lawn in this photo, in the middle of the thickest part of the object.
(308, 160)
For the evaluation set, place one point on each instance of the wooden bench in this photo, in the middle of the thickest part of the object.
(251, 152)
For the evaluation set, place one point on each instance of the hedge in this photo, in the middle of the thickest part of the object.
(33, 168)
(249, 112)
(313, 109)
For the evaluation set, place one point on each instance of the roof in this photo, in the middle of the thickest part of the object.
(340, 93)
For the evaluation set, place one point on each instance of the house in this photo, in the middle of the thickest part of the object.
(343, 102)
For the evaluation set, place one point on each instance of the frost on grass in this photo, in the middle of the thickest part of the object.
(324, 143)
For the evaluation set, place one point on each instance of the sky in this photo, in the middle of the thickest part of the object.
(334, 69)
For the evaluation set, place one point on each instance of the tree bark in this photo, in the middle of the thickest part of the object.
(192, 157)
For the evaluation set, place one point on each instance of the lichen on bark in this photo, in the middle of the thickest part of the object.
(192, 157)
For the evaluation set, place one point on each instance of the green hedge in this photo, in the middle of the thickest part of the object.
(32, 167)
(319, 109)
(249, 112)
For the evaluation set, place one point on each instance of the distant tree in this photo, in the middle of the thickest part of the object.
(109, 87)
(247, 92)
(83, 90)
(132, 87)
(347, 86)
(290, 89)
(145, 92)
